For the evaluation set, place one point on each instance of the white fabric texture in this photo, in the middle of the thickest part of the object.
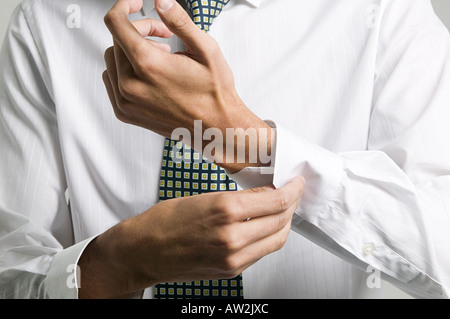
(359, 92)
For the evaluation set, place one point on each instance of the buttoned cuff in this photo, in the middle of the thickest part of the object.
(336, 207)
(63, 278)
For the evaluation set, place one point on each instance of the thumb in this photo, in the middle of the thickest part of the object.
(180, 23)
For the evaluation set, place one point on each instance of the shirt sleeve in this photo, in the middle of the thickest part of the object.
(387, 206)
(37, 259)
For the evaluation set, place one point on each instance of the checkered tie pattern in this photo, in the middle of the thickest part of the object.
(203, 12)
(186, 172)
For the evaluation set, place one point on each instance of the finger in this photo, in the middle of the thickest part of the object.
(111, 69)
(250, 254)
(125, 33)
(111, 72)
(109, 88)
(265, 246)
(163, 46)
(180, 23)
(118, 24)
(258, 228)
(110, 91)
(123, 66)
(126, 71)
(123, 76)
(152, 28)
(266, 201)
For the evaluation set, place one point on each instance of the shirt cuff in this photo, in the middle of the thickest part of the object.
(63, 278)
(334, 206)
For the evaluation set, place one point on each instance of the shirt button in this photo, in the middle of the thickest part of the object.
(368, 249)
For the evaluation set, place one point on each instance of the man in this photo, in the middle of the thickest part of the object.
(358, 94)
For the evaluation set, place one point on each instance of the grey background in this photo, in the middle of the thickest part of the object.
(442, 8)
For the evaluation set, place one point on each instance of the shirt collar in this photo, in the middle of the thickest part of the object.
(255, 3)
(149, 5)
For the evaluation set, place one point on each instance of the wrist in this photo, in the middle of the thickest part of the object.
(232, 137)
(248, 145)
(246, 140)
(103, 271)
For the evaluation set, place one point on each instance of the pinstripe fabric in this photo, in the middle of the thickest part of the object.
(357, 89)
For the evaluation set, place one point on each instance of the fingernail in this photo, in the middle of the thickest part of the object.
(165, 5)
(298, 179)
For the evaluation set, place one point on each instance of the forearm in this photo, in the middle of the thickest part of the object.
(103, 270)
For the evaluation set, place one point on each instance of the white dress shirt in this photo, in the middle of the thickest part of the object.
(359, 92)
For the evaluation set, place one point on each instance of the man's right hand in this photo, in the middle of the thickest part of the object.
(208, 236)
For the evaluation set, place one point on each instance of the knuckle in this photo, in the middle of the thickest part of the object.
(111, 19)
(122, 104)
(230, 266)
(230, 241)
(230, 245)
(139, 52)
(122, 109)
(146, 69)
(280, 242)
(257, 189)
(143, 72)
(281, 221)
(282, 201)
(141, 59)
(223, 208)
(109, 54)
(127, 89)
(181, 21)
(213, 53)
(213, 49)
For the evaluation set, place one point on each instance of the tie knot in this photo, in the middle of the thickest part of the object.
(203, 12)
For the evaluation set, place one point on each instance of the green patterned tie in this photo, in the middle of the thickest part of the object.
(184, 173)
